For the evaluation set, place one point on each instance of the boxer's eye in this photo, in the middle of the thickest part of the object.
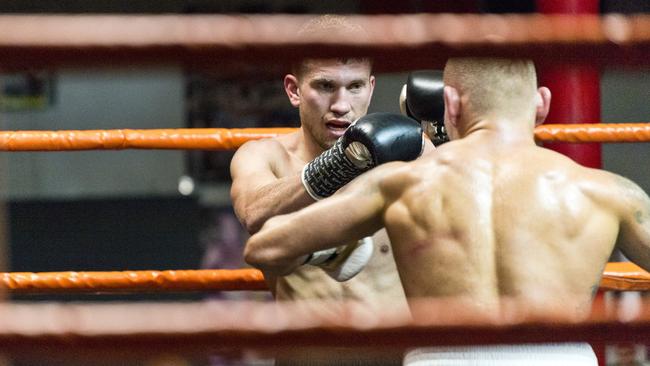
(355, 87)
(325, 86)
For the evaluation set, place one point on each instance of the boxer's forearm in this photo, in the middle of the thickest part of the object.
(285, 241)
(280, 246)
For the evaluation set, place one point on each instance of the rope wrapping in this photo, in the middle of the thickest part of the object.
(182, 138)
(135, 281)
(624, 276)
(594, 132)
(229, 139)
(619, 276)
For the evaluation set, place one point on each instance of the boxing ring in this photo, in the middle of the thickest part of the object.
(398, 43)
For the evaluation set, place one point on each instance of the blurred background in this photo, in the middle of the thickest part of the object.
(139, 209)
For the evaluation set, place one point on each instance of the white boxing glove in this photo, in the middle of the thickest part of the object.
(344, 262)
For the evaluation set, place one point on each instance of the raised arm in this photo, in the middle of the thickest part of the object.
(353, 213)
(634, 235)
(264, 184)
(260, 187)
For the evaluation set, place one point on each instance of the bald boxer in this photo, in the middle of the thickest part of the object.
(280, 175)
(488, 218)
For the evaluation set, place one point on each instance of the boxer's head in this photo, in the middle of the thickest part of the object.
(495, 89)
(330, 94)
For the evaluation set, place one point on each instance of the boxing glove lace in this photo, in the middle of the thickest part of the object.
(374, 139)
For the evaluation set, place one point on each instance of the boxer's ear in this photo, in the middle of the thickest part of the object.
(542, 104)
(291, 87)
(452, 105)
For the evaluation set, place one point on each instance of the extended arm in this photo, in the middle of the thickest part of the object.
(634, 234)
(286, 240)
(372, 140)
(264, 184)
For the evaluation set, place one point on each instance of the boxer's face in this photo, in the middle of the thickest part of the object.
(332, 94)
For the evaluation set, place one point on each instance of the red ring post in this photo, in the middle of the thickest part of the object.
(575, 98)
(575, 88)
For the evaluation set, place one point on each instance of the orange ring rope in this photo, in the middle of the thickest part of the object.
(183, 138)
(130, 281)
(417, 41)
(624, 276)
(618, 276)
(594, 132)
(228, 139)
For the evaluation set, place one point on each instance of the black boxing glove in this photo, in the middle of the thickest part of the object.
(422, 99)
(373, 139)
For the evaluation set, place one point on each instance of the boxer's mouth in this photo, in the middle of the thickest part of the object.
(338, 125)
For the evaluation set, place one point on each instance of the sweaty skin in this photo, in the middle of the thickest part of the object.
(493, 225)
(378, 283)
(330, 95)
(483, 220)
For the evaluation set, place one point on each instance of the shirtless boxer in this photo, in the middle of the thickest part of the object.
(280, 175)
(489, 218)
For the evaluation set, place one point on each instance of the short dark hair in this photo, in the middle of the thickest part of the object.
(300, 67)
(325, 25)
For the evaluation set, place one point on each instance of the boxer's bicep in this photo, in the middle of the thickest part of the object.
(263, 185)
(634, 234)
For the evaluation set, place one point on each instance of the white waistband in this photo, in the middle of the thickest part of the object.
(556, 354)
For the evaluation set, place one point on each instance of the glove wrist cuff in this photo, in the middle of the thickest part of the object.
(321, 256)
(307, 186)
